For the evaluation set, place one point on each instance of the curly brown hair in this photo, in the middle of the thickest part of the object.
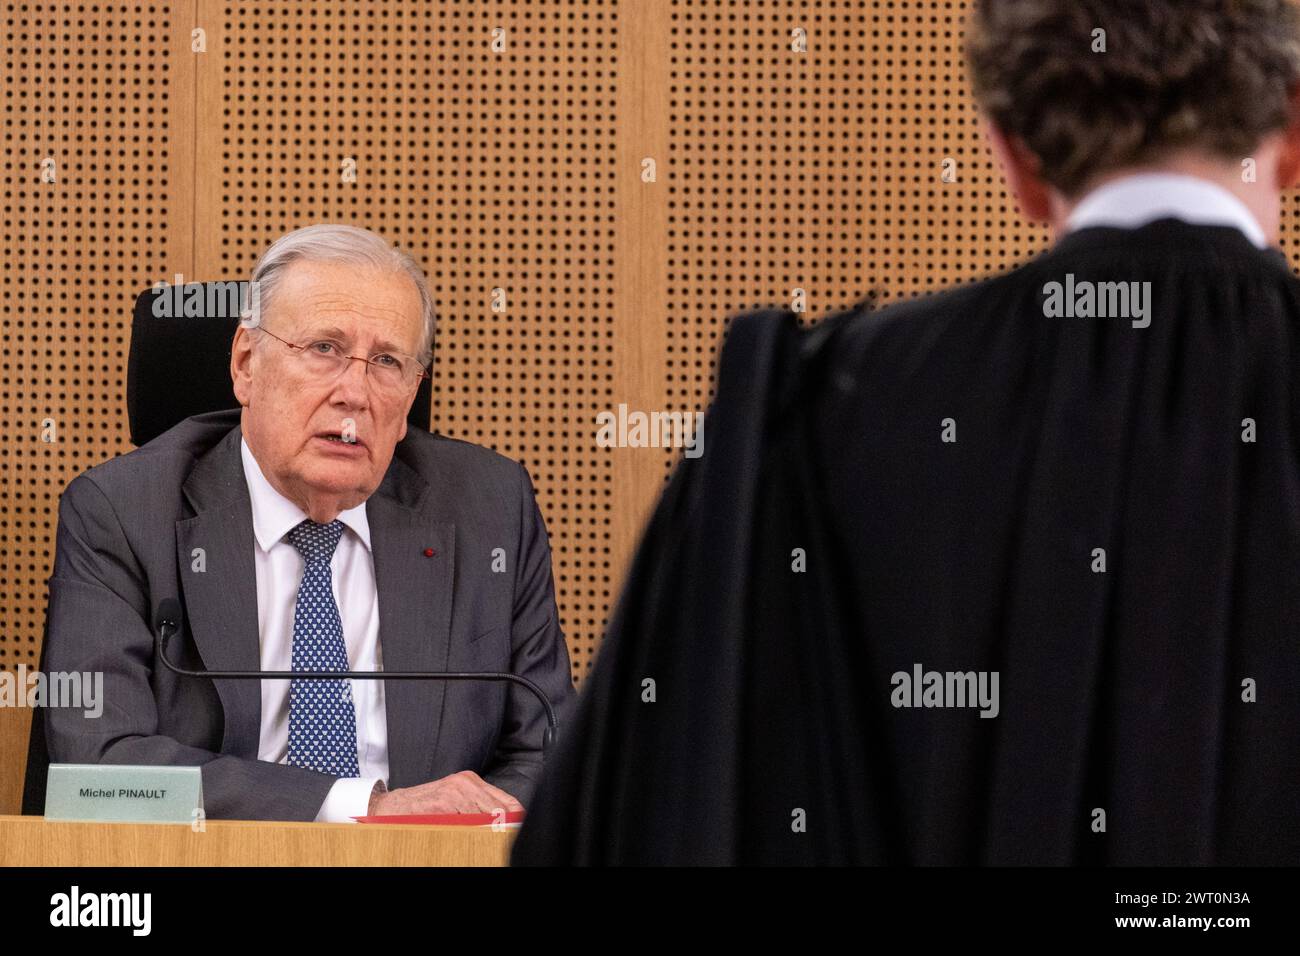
(1212, 74)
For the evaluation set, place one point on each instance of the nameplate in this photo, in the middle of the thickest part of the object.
(124, 794)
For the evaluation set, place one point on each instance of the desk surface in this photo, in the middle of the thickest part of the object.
(31, 841)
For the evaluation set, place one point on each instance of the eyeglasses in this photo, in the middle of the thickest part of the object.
(391, 372)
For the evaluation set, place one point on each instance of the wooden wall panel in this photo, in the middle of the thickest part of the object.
(807, 156)
(98, 201)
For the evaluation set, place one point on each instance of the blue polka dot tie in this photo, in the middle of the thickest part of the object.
(322, 720)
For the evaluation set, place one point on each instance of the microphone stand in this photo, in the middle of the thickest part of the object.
(167, 625)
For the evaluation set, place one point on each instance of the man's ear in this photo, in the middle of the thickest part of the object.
(1288, 157)
(241, 360)
(1021, 169)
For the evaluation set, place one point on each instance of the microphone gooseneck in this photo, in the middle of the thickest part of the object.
(167, 622)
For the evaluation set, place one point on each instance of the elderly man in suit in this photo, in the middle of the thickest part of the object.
(308, 530)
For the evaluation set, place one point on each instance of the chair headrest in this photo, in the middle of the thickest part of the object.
(179, 363)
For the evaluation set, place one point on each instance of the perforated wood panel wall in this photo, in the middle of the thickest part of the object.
(98, 143)
(628, 173)
(817, 175)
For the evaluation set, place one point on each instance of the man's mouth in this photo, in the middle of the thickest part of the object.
(337, 438)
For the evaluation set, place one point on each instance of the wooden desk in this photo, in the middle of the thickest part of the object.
(30, 841)
(15, 725)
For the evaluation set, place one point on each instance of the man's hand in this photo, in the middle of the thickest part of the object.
(464, 792)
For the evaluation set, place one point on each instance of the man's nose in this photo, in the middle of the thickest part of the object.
(352, 384)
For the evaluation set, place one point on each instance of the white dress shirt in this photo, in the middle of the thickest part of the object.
(1136, 200)
(279, 572)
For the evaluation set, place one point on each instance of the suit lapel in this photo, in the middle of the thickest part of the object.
(221, 599)
(414, 616)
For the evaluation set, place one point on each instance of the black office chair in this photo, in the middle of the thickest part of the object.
(179, 366)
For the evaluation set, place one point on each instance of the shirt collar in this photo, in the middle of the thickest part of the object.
(1136, 200)
(274, 515)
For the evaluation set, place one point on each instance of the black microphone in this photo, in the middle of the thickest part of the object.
(167, 621)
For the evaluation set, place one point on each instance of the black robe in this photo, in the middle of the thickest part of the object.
(1103, 511)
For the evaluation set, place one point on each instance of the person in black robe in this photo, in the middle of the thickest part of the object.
(1005, 575)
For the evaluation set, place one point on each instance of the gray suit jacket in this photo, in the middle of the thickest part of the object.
(128, 533)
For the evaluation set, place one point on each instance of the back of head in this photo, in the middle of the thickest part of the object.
(1096, 86)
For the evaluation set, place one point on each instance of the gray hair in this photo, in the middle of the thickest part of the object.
(339, 243)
